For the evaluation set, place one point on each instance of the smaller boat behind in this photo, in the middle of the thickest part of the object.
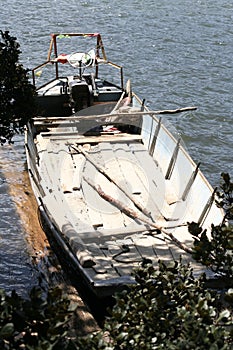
(114, 186)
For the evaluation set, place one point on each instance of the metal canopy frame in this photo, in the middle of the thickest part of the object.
(99, 51)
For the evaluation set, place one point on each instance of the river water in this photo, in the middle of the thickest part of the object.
(177, 53)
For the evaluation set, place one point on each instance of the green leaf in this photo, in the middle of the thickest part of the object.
(224, 315)
(7, 331)
(194, 229)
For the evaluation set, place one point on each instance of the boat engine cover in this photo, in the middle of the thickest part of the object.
(80, 96)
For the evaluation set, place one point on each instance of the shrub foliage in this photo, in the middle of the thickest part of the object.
(168, 309)
(17, 102)
(216, 251)
(39, 322)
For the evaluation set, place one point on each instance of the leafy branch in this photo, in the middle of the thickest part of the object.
(168, 308)
(216, 251)
(17, 95)
(39, 322)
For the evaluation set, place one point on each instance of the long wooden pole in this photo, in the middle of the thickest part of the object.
(131, 213)
(134, 114)
(111, 179)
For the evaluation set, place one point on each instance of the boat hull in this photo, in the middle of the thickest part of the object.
(112, 199)
(114, 186)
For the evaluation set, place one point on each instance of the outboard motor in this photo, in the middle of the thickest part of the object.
(80, 91)
(80, 95)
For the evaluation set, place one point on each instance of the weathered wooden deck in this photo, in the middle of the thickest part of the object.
(108, 242)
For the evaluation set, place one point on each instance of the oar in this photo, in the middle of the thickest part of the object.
(131, 213)
(111, 179)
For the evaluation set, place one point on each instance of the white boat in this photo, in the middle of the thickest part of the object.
(114, 186)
